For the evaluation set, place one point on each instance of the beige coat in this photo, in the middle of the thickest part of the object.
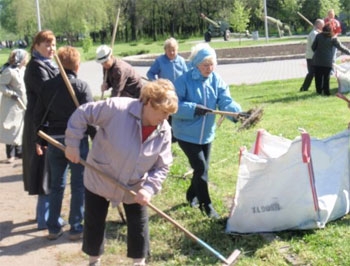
(11, 113)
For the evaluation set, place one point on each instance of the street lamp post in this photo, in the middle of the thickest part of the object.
(38, 15)
(266, 25)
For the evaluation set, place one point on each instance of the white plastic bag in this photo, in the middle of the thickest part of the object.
(284, 184)
(343, 77)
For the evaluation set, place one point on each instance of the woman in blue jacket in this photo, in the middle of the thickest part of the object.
(199, 91)
(169, 66)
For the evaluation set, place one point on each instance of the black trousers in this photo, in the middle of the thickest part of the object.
(96, 210)
(322, 79)
(13, 151)
(309, 76)
(198, 157)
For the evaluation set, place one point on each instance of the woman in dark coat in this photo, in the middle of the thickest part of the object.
(323, 57)
(39, 69)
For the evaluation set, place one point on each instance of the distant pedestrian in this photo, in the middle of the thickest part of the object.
(318, 25)
(335, 25)
(13, 103)
(323, 58)
(333, 22)
(169, 66)
(121, 76)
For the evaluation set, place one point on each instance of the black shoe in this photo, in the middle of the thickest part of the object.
(54, 236)
(209, 211)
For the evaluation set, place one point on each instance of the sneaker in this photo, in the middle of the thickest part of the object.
(210, 211)
(76, 236)
(54, 236)
(96, 263)
(194, 202)
(62, 222)
(10, 160)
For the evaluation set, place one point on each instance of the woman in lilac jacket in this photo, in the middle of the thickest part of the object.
(133, 145)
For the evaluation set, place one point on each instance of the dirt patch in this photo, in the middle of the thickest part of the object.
(20, 241)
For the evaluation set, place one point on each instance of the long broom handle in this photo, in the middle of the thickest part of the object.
(66, 81)
(76, 102)
(21, 104)
(217, 112)
(304, 18)
(112, 44)
(122, 186)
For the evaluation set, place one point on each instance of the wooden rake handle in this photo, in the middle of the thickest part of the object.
(217, 112)
(114, 182)
(66, 81)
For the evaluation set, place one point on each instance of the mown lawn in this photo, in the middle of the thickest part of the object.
(285, 110)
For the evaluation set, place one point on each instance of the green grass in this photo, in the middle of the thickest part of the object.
(122, 49)
(285, 110)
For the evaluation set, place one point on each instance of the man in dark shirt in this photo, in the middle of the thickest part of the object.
(118, 74)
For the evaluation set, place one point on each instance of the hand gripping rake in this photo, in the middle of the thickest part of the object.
(247, 119)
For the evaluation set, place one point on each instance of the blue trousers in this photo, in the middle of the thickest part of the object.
(59, 164)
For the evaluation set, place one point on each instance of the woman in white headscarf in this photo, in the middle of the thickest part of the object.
(13, 102)
(200, 90)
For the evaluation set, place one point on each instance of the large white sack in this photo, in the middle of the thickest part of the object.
(282, 187)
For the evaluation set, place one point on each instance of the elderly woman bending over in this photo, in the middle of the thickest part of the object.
(132, 145)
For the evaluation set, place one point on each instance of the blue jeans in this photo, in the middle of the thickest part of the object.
(58, 164)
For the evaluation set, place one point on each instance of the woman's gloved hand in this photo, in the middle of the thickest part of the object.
(201, 110)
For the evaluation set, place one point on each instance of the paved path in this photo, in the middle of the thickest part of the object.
(240, 73)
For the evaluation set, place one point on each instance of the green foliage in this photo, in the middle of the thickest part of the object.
(153, 19)
(87, 44)
(239, 16)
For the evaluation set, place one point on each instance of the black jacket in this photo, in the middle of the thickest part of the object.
(55, 104)
(35, 176)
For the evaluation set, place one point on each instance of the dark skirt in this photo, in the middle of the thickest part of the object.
(35, 167)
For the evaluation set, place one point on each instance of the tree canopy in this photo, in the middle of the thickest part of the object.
(155, 19)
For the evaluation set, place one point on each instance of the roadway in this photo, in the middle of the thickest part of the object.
(237, 74)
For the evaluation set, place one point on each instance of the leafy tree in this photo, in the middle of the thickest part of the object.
(152, 19)
(345, 7)
(239, 17)
(6, 15)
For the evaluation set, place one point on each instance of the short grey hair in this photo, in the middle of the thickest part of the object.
(171, 42)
